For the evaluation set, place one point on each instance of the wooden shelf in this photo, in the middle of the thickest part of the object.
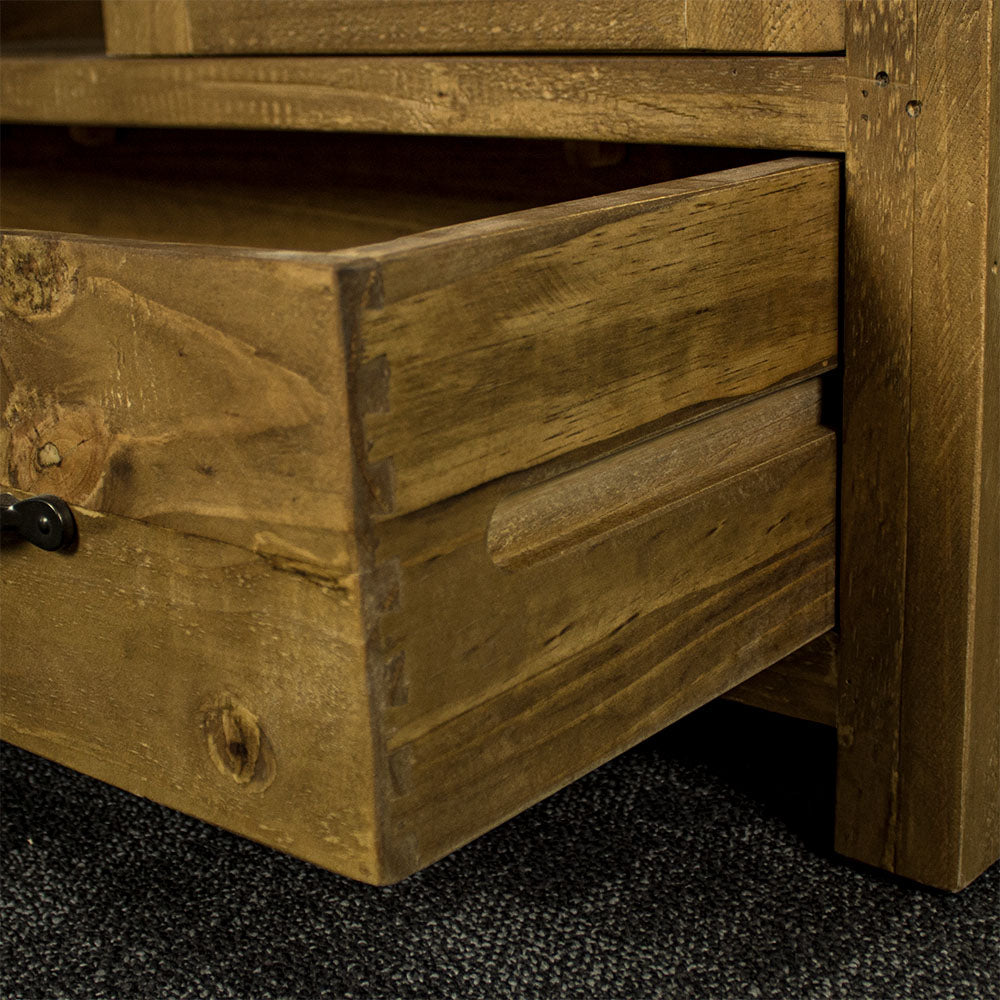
(766, 102)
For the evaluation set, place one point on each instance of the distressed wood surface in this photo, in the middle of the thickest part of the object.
(802, 685)
(878, 317)
(576, 323)
(775, 102)
(245, 27)
(274, 579)
(264, 722)
(180, 386)
(919, 778)
(581, 322)
(200, 675)
(597, 639)
(949, 774)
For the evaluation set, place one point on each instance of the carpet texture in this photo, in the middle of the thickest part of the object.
(695, 866)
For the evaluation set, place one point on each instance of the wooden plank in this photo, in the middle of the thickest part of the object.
(199, 675)
(765, 25)
(802, 685)
(949, 774)
(180, 386)
(597, 639)
(919, 773)
(877, 321)
(763, 102)
(585, 321)
(258, 27)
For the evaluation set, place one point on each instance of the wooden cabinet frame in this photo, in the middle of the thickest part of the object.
(913, 105)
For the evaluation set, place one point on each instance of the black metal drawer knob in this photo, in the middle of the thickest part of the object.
(45, 521)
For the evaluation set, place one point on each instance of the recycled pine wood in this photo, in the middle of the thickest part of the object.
(700, 600)
(202, 675)
(803, 684)
(919, 707)
(651, 339)
(173, 669)
(773, 102)
(222, 421)
(601, 280)
(913, 103)
(256, 27)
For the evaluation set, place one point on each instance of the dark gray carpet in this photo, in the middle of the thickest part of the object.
(696, 866)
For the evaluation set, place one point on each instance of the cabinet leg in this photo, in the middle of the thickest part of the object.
(919, 681)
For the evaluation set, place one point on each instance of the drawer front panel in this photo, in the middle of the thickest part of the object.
(198, 390)
(193, 673)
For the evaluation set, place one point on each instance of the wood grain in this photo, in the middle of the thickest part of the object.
(247, 27)
(593, 645)
(581, 322)
(180, 386)
(772, 102)
(919, 706)
(949, 775)
(460, 335)
(283, 614)
(200, 675)
(877, 324)
(802, 685)
(765, 25)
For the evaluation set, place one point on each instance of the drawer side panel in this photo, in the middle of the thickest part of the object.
(509, 681)
(503, 344)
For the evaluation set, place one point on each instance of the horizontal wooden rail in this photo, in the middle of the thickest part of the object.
(803, 684)
(244, 27)
(769, 102)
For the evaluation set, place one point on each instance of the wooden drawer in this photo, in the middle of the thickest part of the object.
(378, 546)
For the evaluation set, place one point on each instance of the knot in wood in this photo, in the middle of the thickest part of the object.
(37, 280)
(237, 745)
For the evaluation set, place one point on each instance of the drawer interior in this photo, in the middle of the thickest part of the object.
(304, 191)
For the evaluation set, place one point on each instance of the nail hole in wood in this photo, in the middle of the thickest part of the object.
(882, 78)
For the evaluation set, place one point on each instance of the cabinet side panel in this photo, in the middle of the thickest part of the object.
(950, 722)
(919, 684)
